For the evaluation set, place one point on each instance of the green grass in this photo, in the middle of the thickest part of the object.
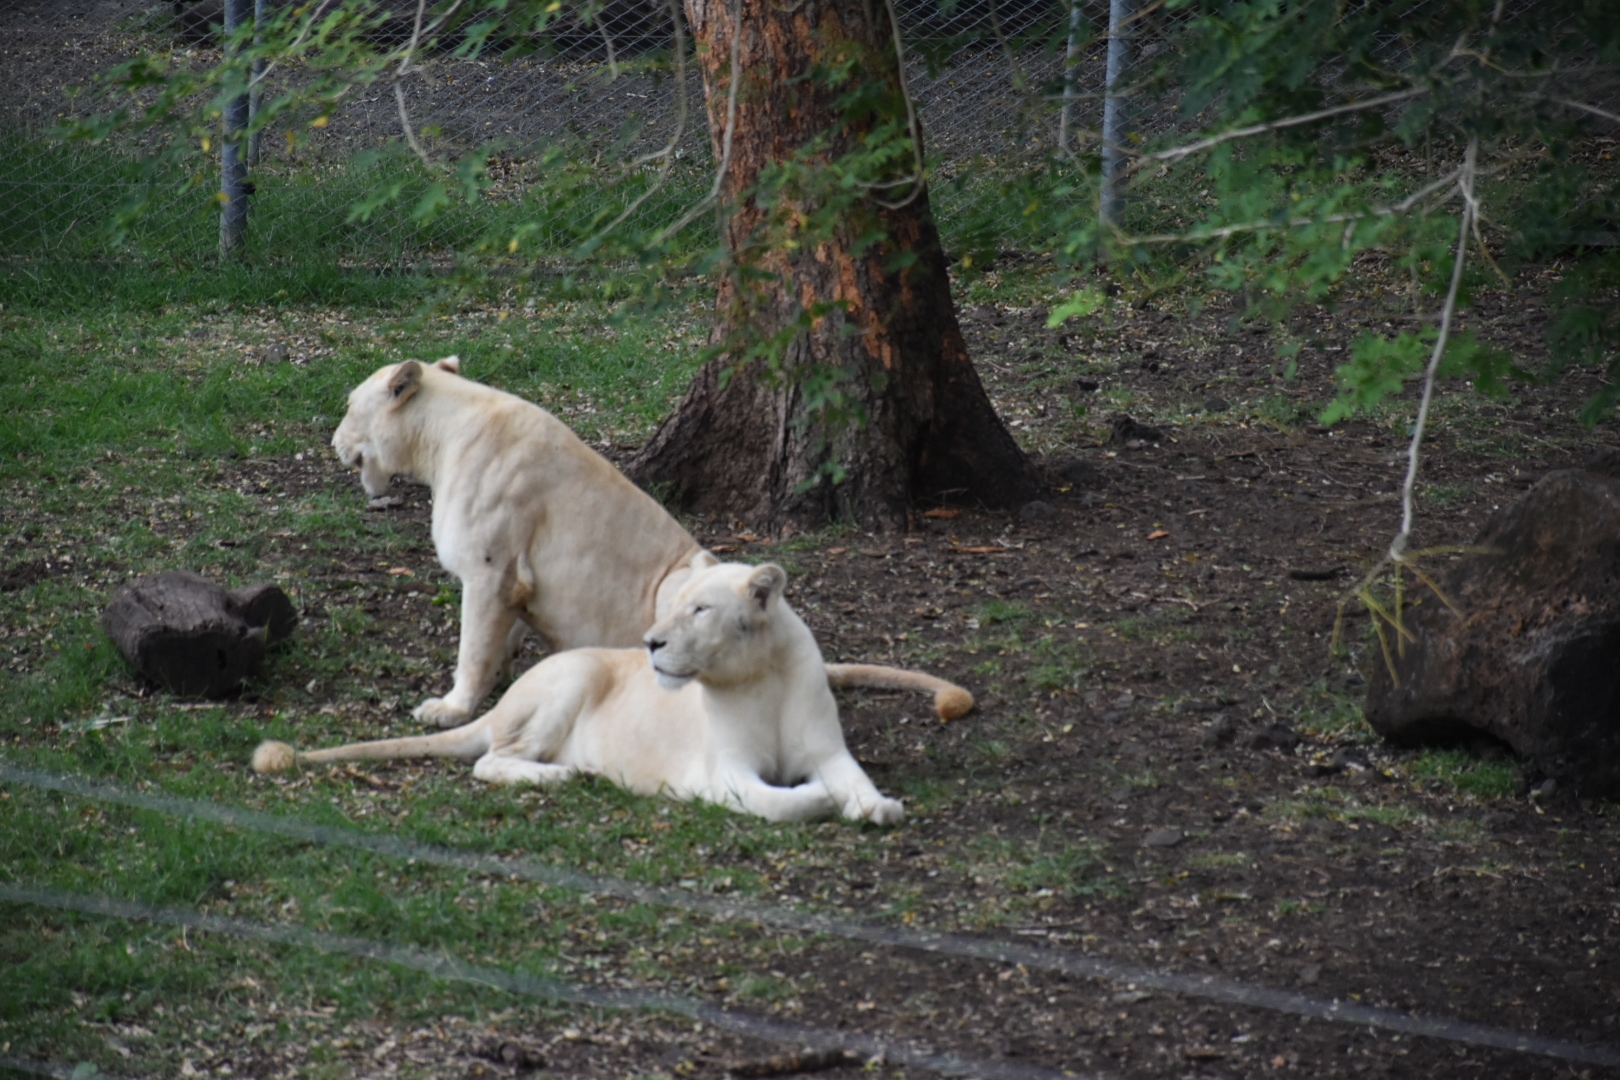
(1028, 871)
(1466, 773)
(1337, 716)
(139, 460)
(1338, 805)
(1441, 496)
(111, 397)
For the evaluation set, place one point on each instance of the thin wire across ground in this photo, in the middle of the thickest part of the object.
(1208, 987)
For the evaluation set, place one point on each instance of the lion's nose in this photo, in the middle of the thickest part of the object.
(654, 644)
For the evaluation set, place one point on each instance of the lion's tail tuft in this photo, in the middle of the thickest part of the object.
(950, 700)
(272, 756)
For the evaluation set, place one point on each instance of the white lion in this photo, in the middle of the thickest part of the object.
(540, 528)
(734, 707)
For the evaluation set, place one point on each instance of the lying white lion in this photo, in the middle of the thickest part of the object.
(733, 708)
(537, 525)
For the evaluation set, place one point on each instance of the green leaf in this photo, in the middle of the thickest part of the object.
(1080, 305)
(1378, 366)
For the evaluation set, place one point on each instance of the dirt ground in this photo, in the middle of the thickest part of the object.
(1150, 650)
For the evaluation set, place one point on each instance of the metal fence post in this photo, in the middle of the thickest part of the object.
(1071, 57)
(233, 162)
(256, 93)
(1111, 204)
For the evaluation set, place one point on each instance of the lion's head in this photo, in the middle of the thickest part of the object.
(370, 436)
(718, 628)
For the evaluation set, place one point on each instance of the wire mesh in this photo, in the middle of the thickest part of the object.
(1000, 85)
(986, 82)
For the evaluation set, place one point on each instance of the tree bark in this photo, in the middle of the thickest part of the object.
(865, 402)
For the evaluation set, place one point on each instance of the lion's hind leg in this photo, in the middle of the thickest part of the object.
(533, 722)
(498, 768)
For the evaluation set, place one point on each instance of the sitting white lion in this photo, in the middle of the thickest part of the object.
(537, 525)
(734, 707)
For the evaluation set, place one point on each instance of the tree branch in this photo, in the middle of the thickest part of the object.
(399, 90)
(1392, 210)
(725, 143)
(666, 156)
(1579, 106)
(1177, 153)
(1470, 210)
(919, 173)
(309, 24)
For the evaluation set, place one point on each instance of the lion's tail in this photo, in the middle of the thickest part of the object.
(950, 700)
(466, 742)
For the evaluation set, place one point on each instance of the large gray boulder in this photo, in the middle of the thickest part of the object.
(1534, 658)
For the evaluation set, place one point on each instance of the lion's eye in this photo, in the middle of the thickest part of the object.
(700, 609)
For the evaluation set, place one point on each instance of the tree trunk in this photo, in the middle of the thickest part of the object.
(862, 400)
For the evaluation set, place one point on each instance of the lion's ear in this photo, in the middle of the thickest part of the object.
(703, 560)
(452, 364)
(406, 381)
(766, 582)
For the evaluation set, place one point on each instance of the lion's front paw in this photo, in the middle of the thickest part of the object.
(881, 812)
(436, 710)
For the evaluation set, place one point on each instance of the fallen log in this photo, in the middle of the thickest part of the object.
(190, 636)
(1529, 656)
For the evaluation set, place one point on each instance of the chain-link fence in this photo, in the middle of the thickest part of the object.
(988, 79)
(1000, 86)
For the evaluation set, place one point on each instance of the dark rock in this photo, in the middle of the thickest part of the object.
(1531, 660)
(1087, 386)
(1127, 430)
(188, 635)
(1163, 838)
(1275, 737)
(1082, 474)
(1219, 734)
(276, 352)
(1037, 512)
(1216, 405)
